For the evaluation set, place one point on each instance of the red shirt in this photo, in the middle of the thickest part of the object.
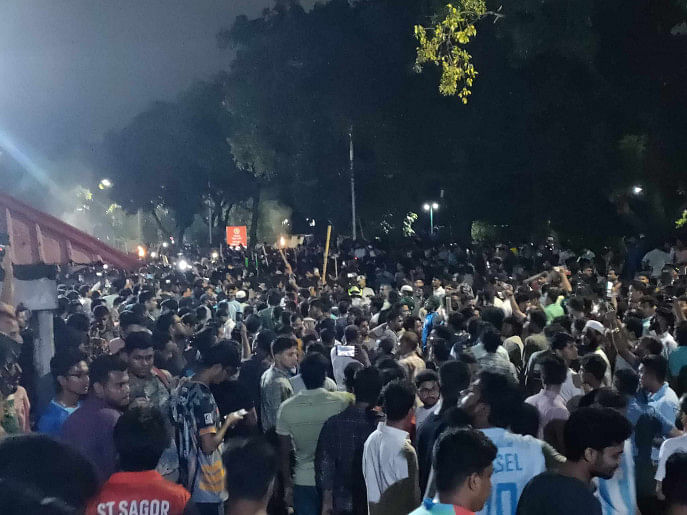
(128, 493)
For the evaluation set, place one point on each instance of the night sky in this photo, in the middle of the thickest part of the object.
(73, 69)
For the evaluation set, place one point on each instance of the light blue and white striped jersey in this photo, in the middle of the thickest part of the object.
(519, 459)
(618, 495)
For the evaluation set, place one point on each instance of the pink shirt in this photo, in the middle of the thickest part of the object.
(550, 406)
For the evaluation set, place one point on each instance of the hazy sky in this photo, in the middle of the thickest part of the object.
(72, 69)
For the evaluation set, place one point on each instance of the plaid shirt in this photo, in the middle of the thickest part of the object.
(339, 457)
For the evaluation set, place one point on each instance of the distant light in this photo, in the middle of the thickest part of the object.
(183, 265)
(153, 255)
(637, 190)
(285, 221)
(141, 251)
(282, 242)
(426, 207)
(435, 205)
(165, 245)
(312, 223)
(106, 266)
(214, 255)
(104, 184)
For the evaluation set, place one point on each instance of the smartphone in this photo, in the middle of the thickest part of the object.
(609, 289)
(345, 350)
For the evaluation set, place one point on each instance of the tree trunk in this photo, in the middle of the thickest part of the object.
(164, 230)
(255, 215)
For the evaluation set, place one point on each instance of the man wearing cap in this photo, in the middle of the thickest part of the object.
(595, 340)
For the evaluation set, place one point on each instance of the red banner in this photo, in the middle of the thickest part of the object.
(237, 236)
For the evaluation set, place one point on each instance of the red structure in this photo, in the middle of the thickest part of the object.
(38, 238)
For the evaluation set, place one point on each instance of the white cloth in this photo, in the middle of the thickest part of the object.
(568, 388)
(339, 364)
(618, 495)
(668, 448)
(669, 344)
(421, 414)
(519, 459)
(383, 461)
(656, 259)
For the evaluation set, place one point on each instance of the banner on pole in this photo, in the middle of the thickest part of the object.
(237, 236)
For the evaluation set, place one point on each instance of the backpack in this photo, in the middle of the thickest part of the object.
(185, 432)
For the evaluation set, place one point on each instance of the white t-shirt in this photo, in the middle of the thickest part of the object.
(668, 448)
(568, 388)
(618, 495)
(656, 259)
(519, 459)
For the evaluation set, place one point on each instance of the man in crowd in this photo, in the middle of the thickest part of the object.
(594, 440)
(140, 437)
(389, 459)
(89, 429)
(299, 421)
(275, 386)
(147, 383)
(548, 401)
(251, 473)
(70, 372)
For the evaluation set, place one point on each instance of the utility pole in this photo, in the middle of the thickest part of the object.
(350, 158)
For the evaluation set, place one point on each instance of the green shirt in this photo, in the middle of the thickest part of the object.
(554, 310)
(301, 417)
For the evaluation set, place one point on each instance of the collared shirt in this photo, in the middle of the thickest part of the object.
(668, 448)
(339, 456)
(434, 507)
(275, 388)
(51, 421)
(665, 401)
(301, 417)
(89, 429)
(618, 495)
(390, 471)
(550, 406)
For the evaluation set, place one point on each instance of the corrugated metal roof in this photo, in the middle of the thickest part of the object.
(36, 237)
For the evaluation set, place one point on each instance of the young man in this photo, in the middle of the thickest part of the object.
(548, 401)
(140, 436)
(674, 484)
(427, 384)
(338, 458)
(670, 447)
(299, 421)
(491, 403)
(594, 440)
(463, 466)
(409, 354)
(199, 431)
(89, 429)
(275, 386)
(253, 368)
(70, 372)
(563, 346)
(251, 474)
(147, 383)
(389, 459)
(652, 378)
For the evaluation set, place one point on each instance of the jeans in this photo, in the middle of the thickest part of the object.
(306, 500)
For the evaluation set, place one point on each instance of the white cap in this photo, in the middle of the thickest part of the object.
(240, 295)
(593, 324)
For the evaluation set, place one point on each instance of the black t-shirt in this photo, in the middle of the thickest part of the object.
(231, 396)
(551, 493)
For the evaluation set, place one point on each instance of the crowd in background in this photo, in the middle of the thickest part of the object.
(429, 379)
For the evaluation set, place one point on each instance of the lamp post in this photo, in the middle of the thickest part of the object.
(431, 207)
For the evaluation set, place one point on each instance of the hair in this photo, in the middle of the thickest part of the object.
(656, 365)
(165, 321)
(328, 335)
(100, 368)
(264, 339)
(634, 326)
(251, 469)
(493, 315)
(653, 345)
(36, 461)
(502, 394)
(138, 341)
(100, 310)
(681, 333)
(560, 340)
(458, 454)
(610, 398)
(673, 484)
(398, 398)
(145, 296)
(224, 352)
(351, 333)
(443, 332)
(454, 377)
(367, 385)
(424, 376)
(140, 436)
(538, 318)
(553, 370)
(490, 338)
(252, 323)
(595, 428)
(648, 299)
(441, 349)
(456, 319)
(273, 297)
(626, 381)
(350, 371)
(62, 361)
(576, 303)
(595, 365)
(79, 322)
(526, 420)
(385, 346)
(127, 318)
(515, 324)
(411, 338)
(314, 370)
(282, 343)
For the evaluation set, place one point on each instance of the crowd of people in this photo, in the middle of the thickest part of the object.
(427, 380)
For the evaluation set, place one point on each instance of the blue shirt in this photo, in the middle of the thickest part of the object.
(618, 495)
(54, 416)
(427, 327)
(665, 401)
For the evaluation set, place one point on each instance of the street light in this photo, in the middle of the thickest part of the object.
(104, 184)
(431, 207)
(637, 190)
